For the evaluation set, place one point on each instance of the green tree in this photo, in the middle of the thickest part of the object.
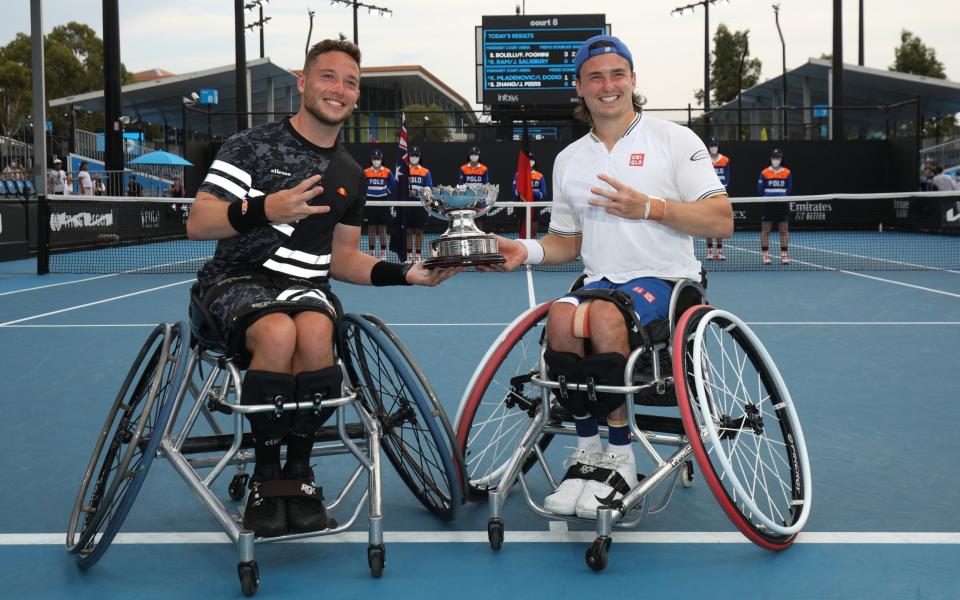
(73, 63)
(913, 56)
(427, 123)
(728, 46)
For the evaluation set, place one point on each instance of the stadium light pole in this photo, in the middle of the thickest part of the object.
(356, 40)
(743, 57)
(681, 11)
(783, 82)
(861, 33)
(259, 23)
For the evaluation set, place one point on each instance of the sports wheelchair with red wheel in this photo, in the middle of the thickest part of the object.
(736, 419)
(180, 400)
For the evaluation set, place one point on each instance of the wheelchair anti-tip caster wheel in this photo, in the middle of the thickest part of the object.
(597, 553)
(237, 486)
(495, 533)
(686, 474)
(249, 577)
(376, 559)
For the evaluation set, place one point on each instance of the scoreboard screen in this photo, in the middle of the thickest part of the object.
(528, 60)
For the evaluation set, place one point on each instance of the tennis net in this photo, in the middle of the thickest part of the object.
(856, 232)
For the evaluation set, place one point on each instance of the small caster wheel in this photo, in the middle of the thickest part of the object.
(249, 577)
(237, 486)
(597, 554)
(495, 533)
(686, 474)
(376, 559)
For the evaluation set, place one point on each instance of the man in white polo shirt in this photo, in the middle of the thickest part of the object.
(629, 198)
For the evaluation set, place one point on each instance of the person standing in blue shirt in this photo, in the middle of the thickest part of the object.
(721, 164)
(416, 218)
(539, 193)
(775, 182)
(474, 171)
(381, 185)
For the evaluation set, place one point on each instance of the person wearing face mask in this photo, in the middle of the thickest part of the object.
(416, 218)
(721, 164)
(381, 185)
(539, 193)
(775, 181)
(474, 171)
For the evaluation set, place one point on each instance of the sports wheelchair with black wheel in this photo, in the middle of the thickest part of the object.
(736, 418)
(176, 372)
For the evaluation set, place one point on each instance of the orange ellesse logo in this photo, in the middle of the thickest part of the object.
(636, 160)
(342, 192)
(243, 207)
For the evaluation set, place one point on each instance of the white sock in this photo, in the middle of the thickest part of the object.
(590, 444)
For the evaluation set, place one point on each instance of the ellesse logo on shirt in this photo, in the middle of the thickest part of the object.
(636, 160)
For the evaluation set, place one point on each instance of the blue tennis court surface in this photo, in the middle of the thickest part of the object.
(871, 360)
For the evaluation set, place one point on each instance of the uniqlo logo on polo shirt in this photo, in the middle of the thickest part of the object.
(636, 160)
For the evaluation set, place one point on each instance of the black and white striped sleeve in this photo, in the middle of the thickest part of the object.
(229, 176)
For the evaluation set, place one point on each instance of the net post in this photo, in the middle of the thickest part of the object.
(43, 235)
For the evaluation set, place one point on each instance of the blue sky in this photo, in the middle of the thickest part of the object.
(190, 35)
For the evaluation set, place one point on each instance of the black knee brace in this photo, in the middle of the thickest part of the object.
(562, 368)
(316, 385)
(602, 369)
(266, 387)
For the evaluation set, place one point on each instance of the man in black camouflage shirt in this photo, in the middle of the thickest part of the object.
(285, 201)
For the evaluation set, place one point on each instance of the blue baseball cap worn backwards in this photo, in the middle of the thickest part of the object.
(600, 44)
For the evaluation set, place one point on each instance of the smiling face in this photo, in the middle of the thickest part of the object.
(331, 87)
(606, 85)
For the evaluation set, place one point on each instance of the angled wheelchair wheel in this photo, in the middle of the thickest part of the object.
(499, 403)
(394, 391)
(742, 426)
(127, 443)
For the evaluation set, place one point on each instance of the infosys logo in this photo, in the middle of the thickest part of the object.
(508, 97)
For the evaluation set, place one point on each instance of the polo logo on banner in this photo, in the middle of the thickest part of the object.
(636, 160)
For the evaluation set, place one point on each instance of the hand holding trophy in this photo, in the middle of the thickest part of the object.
(462, 244)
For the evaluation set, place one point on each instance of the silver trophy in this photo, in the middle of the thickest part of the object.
(462, 244)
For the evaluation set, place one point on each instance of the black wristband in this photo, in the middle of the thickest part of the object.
(244, 215)
(388, 273)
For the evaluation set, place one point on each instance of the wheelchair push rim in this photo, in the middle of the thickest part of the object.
(127, 444)
(493, 411)
(411, 438)
(742, 426)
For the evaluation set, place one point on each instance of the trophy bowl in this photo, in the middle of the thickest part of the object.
(462, 244)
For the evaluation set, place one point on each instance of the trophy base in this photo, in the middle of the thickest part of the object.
(464, 261)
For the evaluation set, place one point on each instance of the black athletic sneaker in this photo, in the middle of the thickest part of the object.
(265, 516)
(305, 511)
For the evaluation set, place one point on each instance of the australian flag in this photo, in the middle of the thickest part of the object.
(398, 232)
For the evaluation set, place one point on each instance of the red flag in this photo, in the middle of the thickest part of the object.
(524, 182)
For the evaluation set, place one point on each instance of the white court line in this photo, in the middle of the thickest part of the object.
(50, 285)
(63, 310)
(855, 274)
(128, 272)
(528, 537)
(874, 258)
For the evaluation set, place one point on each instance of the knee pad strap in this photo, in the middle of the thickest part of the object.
(314, 387)
(581, 320)
(602, 369)
(562, 367)
(266, 387)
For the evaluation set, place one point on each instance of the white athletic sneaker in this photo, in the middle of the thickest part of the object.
(720, 255)
(766, 257)
(709, 253)
(623, 463)
(784, 258)
(564, 500)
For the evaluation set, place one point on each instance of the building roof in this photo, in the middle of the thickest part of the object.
(862, 87)
(151, 74)
(160, 100)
